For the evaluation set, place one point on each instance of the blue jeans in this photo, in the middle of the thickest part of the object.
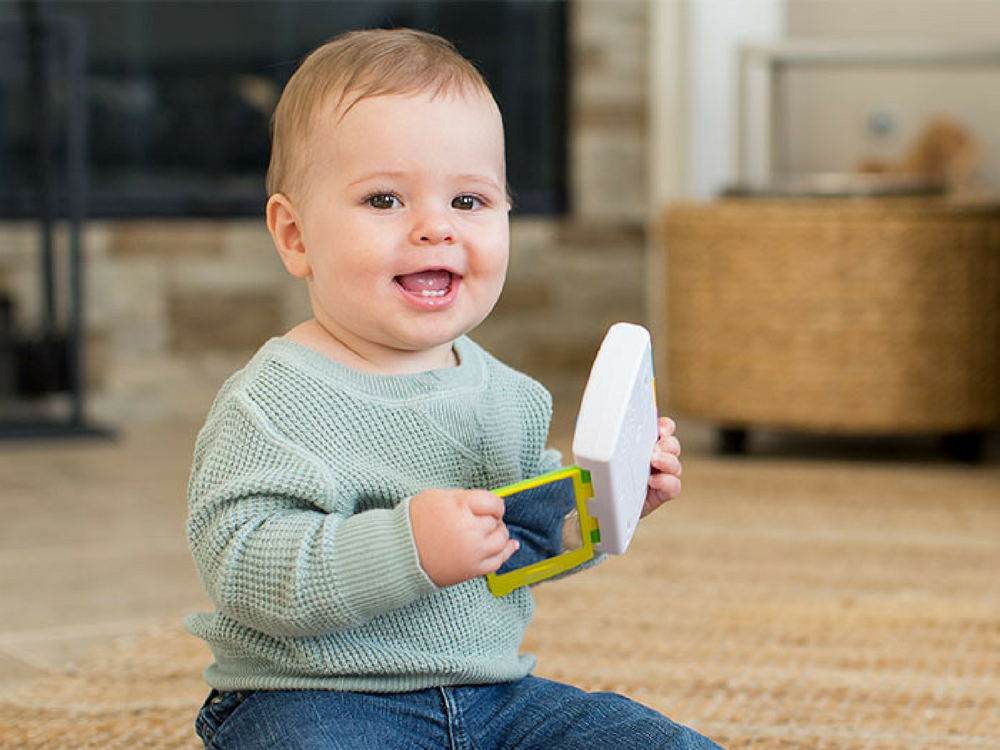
(527, 713)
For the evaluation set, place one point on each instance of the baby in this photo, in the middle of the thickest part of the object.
(339, 512)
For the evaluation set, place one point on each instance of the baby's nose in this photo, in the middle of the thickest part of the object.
(432, 229)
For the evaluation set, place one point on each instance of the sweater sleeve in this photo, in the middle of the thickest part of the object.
(268, 550)
(550, 460)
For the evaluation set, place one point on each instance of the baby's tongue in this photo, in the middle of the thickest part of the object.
(425, 281)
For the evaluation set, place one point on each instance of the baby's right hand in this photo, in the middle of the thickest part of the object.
(460, 534)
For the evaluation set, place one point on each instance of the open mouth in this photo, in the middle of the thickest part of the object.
(430, 284)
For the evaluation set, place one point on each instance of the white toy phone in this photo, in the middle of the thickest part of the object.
(616, 430)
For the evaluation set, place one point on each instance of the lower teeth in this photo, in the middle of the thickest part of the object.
(433, 293)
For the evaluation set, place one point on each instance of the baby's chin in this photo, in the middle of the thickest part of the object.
(436, 330)
(428, 345)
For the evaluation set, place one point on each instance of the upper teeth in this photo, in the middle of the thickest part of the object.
(433, 292)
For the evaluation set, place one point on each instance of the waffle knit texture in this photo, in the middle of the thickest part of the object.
(300, 529)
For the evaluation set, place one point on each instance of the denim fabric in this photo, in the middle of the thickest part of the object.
(527, 713)
(535, 518)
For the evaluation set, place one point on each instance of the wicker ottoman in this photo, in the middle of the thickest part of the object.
(876, 315)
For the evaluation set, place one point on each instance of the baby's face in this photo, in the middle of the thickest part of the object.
(404, 221)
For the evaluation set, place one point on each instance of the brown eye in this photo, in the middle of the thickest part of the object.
(382, 201)
(466, 202)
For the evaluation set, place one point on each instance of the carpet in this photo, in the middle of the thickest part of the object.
(778, 605)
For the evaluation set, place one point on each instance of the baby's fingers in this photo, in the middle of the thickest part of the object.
(507, 548)
(483, 503)
(666, 486)
(671, 445)
(666, 438)
(666, 462)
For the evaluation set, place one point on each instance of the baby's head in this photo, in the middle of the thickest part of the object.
(388, 196)
(352, 67)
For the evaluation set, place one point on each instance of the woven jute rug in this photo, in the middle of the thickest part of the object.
(778, 604)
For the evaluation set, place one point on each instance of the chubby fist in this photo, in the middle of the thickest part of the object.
(665, 467)
(460, 534)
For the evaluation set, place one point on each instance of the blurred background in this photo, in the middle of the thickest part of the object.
(797, 197)
(136, 270)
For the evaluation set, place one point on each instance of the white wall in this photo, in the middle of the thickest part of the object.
(716, 29)
(693, 65)
(825, 114)
(829, 113)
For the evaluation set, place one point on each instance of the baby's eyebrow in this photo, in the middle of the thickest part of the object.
(480, 178)
(378, 176)
(468, 177)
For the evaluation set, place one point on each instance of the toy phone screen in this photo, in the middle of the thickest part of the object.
(535, 517)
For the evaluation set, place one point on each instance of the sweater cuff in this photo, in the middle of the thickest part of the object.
(550, 460)
(378, 569)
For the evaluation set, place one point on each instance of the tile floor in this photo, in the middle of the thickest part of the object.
(92, 542)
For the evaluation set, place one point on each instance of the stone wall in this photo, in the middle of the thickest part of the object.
(173, 307)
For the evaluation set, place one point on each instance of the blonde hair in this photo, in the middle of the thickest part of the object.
(355, 66)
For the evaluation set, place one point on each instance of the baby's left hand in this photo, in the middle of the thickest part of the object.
(665, 481)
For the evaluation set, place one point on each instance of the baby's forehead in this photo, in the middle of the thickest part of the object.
(344, 114)
(338, 103)
(349, 111)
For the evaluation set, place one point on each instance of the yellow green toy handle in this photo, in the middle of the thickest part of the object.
(502, 584)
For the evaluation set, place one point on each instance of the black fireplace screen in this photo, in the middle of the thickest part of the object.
(179, 94)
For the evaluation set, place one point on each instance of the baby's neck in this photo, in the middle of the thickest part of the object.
(374, 360)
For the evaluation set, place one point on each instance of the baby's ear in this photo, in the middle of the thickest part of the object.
(286, 230)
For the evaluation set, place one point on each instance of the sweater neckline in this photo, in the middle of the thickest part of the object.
(467, 374)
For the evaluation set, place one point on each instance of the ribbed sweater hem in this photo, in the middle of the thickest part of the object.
(236, 676)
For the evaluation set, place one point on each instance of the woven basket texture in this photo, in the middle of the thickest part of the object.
(779, 605)
(865, 315)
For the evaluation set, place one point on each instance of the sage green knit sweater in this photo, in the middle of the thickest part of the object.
(300, 529)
